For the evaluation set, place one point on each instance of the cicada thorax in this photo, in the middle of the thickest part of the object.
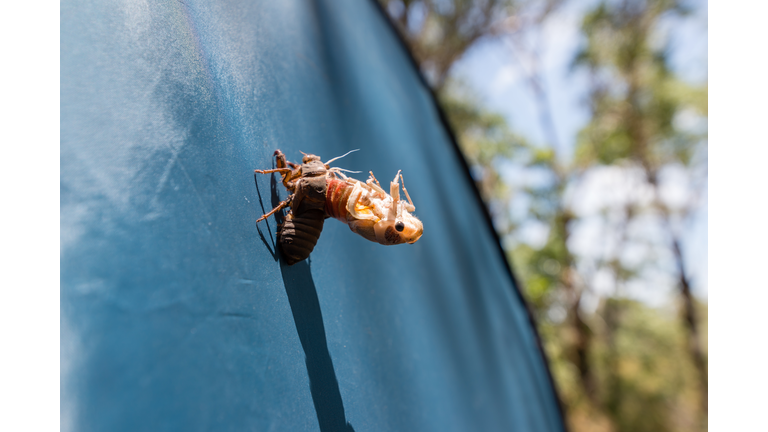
(336, 206)
(304, 223)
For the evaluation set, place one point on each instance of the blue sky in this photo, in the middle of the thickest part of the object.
(495, 70)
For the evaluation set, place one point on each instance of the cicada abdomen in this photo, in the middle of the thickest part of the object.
(303, 225)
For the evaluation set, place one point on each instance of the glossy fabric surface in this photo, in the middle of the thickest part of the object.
(176, 314)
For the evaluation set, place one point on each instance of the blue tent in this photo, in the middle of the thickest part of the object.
(176, 312)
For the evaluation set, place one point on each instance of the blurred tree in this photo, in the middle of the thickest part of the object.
(636, 104)
(439, 32)
(552, 278)
(635, 122)
(647, 379)
(620, 367)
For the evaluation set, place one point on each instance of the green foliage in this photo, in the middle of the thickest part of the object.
(541, 275)
(647, 370)
(634, 97)
(645, 380)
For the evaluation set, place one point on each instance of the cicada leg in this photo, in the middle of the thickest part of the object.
(375, 185)
(279, 207)
(291, 174)
(373, 177)
(282, 171)
(413, 207)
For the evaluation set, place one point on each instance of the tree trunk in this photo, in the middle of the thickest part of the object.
(581, 348)
(691, 325)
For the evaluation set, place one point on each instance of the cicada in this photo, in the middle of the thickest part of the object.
(319, 191)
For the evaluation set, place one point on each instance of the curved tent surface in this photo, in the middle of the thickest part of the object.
(176, 313)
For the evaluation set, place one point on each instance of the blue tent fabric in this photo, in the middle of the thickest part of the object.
(176, 311)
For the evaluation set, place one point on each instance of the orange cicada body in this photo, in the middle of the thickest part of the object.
(319, 191)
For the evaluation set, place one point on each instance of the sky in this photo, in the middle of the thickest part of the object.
(496, 71)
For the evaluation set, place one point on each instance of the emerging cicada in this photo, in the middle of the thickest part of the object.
(319, 192)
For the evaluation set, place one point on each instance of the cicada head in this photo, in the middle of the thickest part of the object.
(381, 217)
(406, 228)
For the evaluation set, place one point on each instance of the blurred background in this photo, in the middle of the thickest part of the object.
(585, 125)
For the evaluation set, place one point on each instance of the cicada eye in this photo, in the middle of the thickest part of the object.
(399, 226)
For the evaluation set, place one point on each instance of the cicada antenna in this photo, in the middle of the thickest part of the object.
(346, 170)
(338, 171)
(339, 157)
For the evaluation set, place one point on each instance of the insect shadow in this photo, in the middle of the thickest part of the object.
(308, 318)
(273, 247)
